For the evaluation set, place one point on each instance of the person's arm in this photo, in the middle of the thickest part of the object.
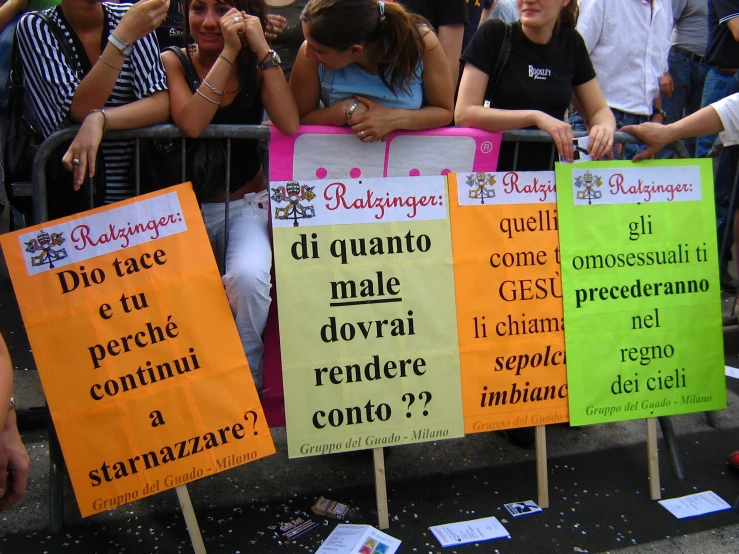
(9, 9)
(59, 88)
(141, 113)
(451, 38)
(600, 116)
(305, 85)
(6, 381)
(470, 112)
(193, 112)
(655, 136)
(14, 460)
(438, 101)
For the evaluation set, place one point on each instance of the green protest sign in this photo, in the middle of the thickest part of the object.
(642, 301)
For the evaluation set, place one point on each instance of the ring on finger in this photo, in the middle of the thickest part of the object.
(75, 161)
(362, 134)
(236, 19)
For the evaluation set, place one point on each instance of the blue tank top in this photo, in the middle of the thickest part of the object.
(344, 83)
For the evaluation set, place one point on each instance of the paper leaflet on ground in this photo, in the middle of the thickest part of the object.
(693, 505)
(366, 301)
(136, 348)
(358, 539)
(517, 509)
(464, 532)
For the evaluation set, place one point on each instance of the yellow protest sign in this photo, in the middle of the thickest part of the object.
(509, 299)
(136, 347)
(366, 307)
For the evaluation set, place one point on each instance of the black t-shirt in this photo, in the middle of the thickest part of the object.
(536, 77)
(474, 12)
(438, 12)
(722, 50)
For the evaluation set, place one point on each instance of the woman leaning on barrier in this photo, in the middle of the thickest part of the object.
(372, 66)
(235, 75)
(115, 80)
(548, 61)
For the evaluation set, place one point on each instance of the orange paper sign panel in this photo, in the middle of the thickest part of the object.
(136, 347)
(509, 305)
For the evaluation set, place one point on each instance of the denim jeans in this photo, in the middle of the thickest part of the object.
(622, 120)
(688, 75)
(716, 87)
(724, 183)
(248, 266)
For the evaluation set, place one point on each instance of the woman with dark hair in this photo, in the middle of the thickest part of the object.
(372, 66)
(548, 62)
(236, 75)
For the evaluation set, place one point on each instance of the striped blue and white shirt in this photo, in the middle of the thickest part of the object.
(51, 82)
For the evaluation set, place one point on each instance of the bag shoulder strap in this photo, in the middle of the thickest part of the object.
(193, 80)
(503, 55)
(61, 39)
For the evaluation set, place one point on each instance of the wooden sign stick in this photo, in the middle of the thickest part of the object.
(542, 477)
(655, 493)
(381, 488)
(190, 520)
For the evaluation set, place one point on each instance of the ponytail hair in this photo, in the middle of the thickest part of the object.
(339, 24)
(569, 14)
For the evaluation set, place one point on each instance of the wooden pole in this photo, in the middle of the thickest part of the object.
(655, 492)
(190, 520)
(381, 488)
(542, 477)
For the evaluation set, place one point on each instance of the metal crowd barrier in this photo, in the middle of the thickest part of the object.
(37, 189)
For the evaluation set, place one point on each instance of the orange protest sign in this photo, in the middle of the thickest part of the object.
(136, 347)
(509, 306)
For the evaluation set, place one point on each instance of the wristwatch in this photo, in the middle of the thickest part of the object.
(274, 61)
(124, 47)
(658, 111)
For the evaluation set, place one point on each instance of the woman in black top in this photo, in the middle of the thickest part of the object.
(547, 63)
(237, 75)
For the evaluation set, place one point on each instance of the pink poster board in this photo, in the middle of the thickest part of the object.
(317, 152)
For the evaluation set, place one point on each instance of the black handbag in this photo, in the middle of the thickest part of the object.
(22, 140)
(161, 159)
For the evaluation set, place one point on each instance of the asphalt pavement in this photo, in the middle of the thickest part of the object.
(599, 490)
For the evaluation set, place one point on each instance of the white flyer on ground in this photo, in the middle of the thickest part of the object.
(517, 509)
(695, 504)
(464, 532)
(358, 539)
(732, 372)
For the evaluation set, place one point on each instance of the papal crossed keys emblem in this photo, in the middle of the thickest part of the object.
(294, 194)
(44, 244)
(587, 183)
(481, 186)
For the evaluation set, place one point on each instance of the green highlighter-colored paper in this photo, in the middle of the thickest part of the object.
(636, 349)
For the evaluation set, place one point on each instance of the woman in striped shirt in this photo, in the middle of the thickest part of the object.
(115, 81)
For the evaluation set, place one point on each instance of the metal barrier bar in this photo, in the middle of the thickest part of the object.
(229, 132)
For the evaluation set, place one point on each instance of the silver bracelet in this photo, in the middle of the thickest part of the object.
(208, 99)
(350, 111)
(12, 402)
(105, 116)
(214, 89)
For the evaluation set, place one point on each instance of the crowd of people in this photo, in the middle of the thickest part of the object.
(376, 67)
